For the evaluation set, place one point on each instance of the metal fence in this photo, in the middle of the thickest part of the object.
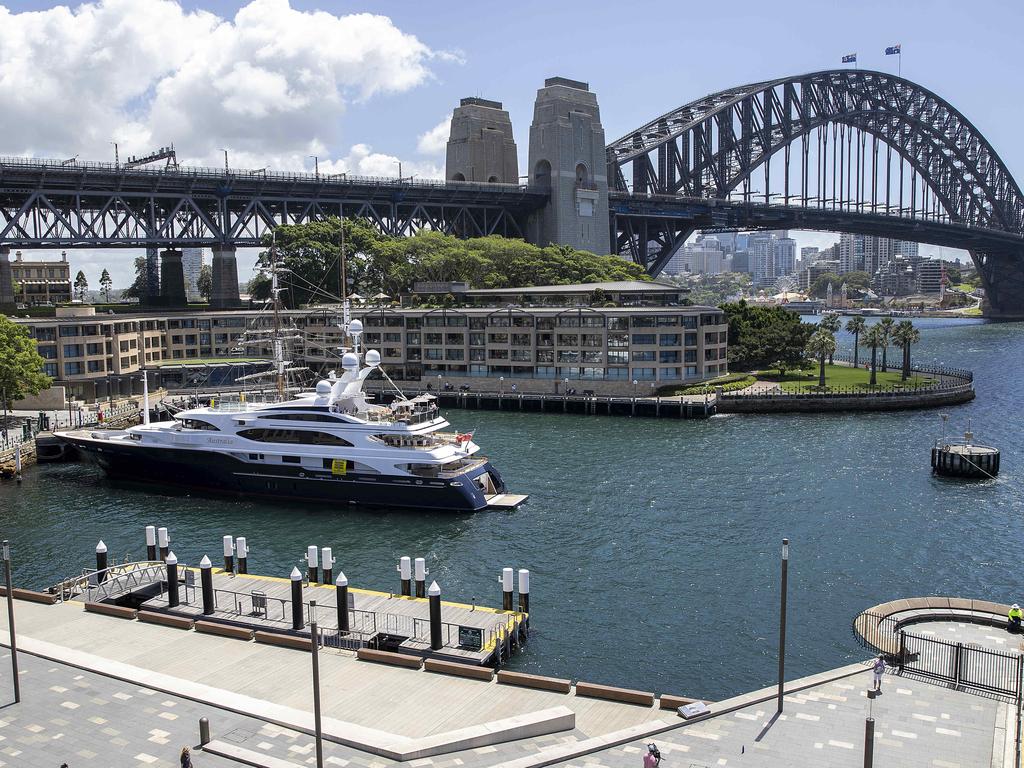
(965, 666)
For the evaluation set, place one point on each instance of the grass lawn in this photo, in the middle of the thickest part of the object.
(843, 377)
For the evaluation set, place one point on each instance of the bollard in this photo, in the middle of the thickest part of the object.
(101, 562)
(151, 543)
(204, 731)
(405, 574)
(524, 593)
(297, 622)
(506, 589)
(342, 585)
(172, 580)
(163, 539)
(434, 596)
(327, 562)
(229, 555)
(312, 566)
(242, 554)
(421, 576)
(206, 580)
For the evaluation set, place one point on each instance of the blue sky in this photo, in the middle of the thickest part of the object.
(641, 58)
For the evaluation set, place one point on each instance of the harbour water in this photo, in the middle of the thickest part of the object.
(654, 544)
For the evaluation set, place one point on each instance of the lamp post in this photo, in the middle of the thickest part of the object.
(635, 382)
(501, 385)
(315, 648)
(565, 387)
(782, 620)
(6, 551)
(440, 379)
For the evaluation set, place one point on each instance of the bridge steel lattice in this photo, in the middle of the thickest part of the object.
(49, 204)
(837, 134)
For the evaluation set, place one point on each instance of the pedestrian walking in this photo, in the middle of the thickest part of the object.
(186, 758)
(652, 757)
(878, 669)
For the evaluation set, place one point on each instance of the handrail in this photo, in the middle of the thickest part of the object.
(186, 172)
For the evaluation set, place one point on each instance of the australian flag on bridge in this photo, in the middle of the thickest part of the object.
(893, 50)
(850, 58)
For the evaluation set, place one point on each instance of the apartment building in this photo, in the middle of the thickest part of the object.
(41, 282)
(93, 355)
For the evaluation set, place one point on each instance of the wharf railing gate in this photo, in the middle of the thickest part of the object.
(964, 666)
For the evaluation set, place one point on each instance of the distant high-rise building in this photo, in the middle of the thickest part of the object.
(772, 255)
(785, 256)
(929, 276)
(192, 265)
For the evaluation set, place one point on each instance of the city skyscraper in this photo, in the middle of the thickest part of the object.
(192, 265)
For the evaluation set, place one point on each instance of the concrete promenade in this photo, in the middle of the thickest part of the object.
(102, 691)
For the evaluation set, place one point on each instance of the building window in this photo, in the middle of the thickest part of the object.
(72, 369)
(645, 338)
(643, 357)
(669, 340)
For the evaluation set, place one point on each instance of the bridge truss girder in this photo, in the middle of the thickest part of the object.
(46, 205)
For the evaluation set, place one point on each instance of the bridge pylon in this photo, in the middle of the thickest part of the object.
(567, 156)
(481, 146)
(6, 282)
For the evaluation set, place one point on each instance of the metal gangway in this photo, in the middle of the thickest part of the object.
(93, 586)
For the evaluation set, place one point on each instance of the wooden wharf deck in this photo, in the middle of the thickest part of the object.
(692, 407)
(376, 619)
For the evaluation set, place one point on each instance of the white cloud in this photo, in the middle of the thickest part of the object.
(434, 141)
(361, 160)
(272, 83)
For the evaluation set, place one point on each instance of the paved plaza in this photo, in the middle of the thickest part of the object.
(142, 698)
(916, 724)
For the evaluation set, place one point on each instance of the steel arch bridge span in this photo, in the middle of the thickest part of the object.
(838, 142)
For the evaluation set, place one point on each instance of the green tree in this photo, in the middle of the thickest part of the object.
(904, 335)
(856, 326)
(874, 337)
(204, 283)
(765, 337)
(105, 285)
(821, 345)
(376, 263)
(832, 324)
(138, 288)
(21, 367)
(954, 275)
(887, 324)
(81, 285)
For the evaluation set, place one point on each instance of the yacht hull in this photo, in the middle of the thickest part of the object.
(220, 473)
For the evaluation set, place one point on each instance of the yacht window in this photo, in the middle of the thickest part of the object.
(300, 436)
(254, 457)
(291, 459)
(302, 417)
(198, 424)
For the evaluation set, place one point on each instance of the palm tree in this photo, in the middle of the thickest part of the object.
(874, 337)
(832, 324)
(821, 345)
(887, 324)
(856, 326)
(904, 335)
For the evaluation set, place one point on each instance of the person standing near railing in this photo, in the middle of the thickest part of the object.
(1014, 618)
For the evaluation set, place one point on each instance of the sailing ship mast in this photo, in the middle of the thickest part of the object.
(275, 291)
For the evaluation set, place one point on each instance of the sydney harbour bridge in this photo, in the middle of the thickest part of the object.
(841, 150)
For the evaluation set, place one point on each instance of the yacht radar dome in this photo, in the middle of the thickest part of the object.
(349, 361)
(372, 358)
(323, 387)
(355, 328)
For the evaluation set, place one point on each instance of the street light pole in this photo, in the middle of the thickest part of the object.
(10, 619)
(782, 620)
(316, 685)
